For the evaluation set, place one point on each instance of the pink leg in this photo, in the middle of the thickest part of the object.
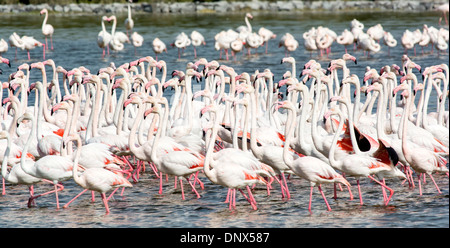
(324, 198)
(105, 202)
(51, 41)
(67, 204)
(160, 183)
(285, 185)
(359, 192)
(110, 195)
(3, 187)
(228, 196)
(57, 199)
(182, 190)
(420, 185)
(435, 184)
(310, 198)
(252, 199)
(193, 187)
(350, 192)
(384, 186)
(281, 185)
(234, 198)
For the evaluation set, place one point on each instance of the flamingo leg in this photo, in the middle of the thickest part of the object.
(51, 41)
(432, 179)
(105, 202)
(67, 204)
(324, 198)
(3, 187)
(182, 190)
(193, 187)
(310, 198)
(228, 196)
(285, 185)
(420, 185)
(252, 199)
(384, 186)
(57, 198)
(359, 192)
(160, 183)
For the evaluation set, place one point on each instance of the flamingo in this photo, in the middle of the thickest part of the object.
(95, 179)
(118, 38)
(30, 43)
(389, 41)
(226, 172)
(266, 35)
(314, 170)
(16, 41)
(368, 44)
(420, 159)
(129, 23)
(3, 46)
(5, 61)
(346, 38)
(137, 40)
(47, 29)
(158, 47)
(197, 40)
(376, 32)
(181, 42)
(104, 37)
(444, 9)
(267, 154)
(289, 43)
(52, 167)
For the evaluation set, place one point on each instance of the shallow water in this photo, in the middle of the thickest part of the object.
(142, 206)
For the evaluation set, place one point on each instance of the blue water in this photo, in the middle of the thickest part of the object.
(141, 206)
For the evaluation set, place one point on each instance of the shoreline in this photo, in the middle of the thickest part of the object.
(224, 7)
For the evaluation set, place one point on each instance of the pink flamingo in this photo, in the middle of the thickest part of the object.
(47, 29)
(420, 159)
(95, 179)
(308, 167)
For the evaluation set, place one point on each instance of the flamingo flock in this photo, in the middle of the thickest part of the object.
(106, 129)
(317, 39)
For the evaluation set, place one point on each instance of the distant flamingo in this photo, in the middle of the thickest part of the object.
(16, 41)
(104, 37)
(129, 23)
(158, 47)
(47, 29)
(266, 35)
(197, 40)
(30, 43)
(3, 46)
(444, 9)
(346, 38)
(137, 40)
(181, 42)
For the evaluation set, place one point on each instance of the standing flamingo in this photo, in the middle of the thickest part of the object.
(314, 170)
(137, 40)
(420, 159)
(95, 179)
(129, 23)
(158, 47)
(266, 35)
(197, 40)
(104, 37)
(52, 167)
(3, 46)
(226, 172)
(47, 29)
